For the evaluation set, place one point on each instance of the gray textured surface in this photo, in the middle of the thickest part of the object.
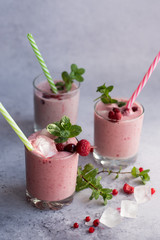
(116, 42)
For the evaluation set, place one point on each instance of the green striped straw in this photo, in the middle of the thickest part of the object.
(42, 63)
(15, 127)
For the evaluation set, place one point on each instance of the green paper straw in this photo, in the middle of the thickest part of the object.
(42, 63)
(15, 128)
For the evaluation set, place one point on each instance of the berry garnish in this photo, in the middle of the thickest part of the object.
(152, 191)
(87, 219)
(83, 147)
(128, 189)
(115, 114)
(96, 222)
(91, 229)
(140, 169)
(60, 147)
(70, 148)
(76, 225)
(116, 110)
(114, 192)
(134, 109)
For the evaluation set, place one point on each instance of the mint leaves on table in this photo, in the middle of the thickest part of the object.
(63, 130)
(75, 74)
(87, 179)
(105, 95)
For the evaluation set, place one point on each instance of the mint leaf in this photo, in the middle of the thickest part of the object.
(87, 178)
(63, 130)
(143, 175)
(75, 74)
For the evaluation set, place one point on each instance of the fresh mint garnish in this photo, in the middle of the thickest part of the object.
(143, 175)
(68, 78)
(63, 130)
(105, 95)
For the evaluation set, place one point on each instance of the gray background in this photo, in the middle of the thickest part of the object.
(115, 41)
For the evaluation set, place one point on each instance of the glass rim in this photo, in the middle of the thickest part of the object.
(54, 94)
(127, 120)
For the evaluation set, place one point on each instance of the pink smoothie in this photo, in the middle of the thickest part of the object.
(117, 139)
(49, 107)
(50, 178)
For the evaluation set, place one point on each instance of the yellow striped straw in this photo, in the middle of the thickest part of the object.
(42, 63)
(15, 127)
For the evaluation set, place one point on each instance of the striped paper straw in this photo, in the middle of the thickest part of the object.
(143, 82)
(42, 63)
(15, 128)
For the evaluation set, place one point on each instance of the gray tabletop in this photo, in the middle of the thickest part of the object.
(115, 41)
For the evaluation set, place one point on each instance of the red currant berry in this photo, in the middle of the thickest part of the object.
(114, 192)
(70, 148)
(140, 169)
(76, 225)
(134, 109)
(91, 230)
(96, 222)
(87, 219)
(152, 191)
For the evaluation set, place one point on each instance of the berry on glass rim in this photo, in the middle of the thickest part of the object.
(114, 192)
(87, 219)
(76, 225)
(115, 114)
(152, 191)
(91, 229)
(60, 147)
(96, 222)
(140, 169)
(128, 189)
(83, 147)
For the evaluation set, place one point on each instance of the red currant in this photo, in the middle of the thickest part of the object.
(76, 225)
(152, 191)
(114, 192)
(140, 169)
(87, 219)
(91, 230)
(96, 222)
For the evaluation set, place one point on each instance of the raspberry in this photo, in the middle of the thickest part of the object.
(87, 219)
(91, 230)
(76, 225)
(83, 147)
(60, 146)
(115, 114)
(140, 169)
(128, 189)
(70, 148)
(96, 222)
(114, 192)
(116, 110)
(152, 191)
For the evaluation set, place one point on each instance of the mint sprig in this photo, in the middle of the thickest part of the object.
(143, 175)
(105, 95)
(63, 130)
(86, 178)
(68, 78)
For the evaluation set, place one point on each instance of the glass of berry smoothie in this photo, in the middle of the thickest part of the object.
(50, 107)
(117, 132)
(51, 168)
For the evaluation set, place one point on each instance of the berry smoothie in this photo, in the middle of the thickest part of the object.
(50, 174)
(117, 133)
(50, 107)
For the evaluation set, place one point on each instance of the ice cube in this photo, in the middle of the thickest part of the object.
(110, 217)
(142, 194)
(129, 209)
(45, 146)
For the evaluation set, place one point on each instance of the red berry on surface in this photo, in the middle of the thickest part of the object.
(70, 148)
(91, 230)
(96, 222)
(152, 191)
(60, 146)
(83, 147)
(87, 219)
(128, 189)
(140, 169)
(114, 192)
(76, 225)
